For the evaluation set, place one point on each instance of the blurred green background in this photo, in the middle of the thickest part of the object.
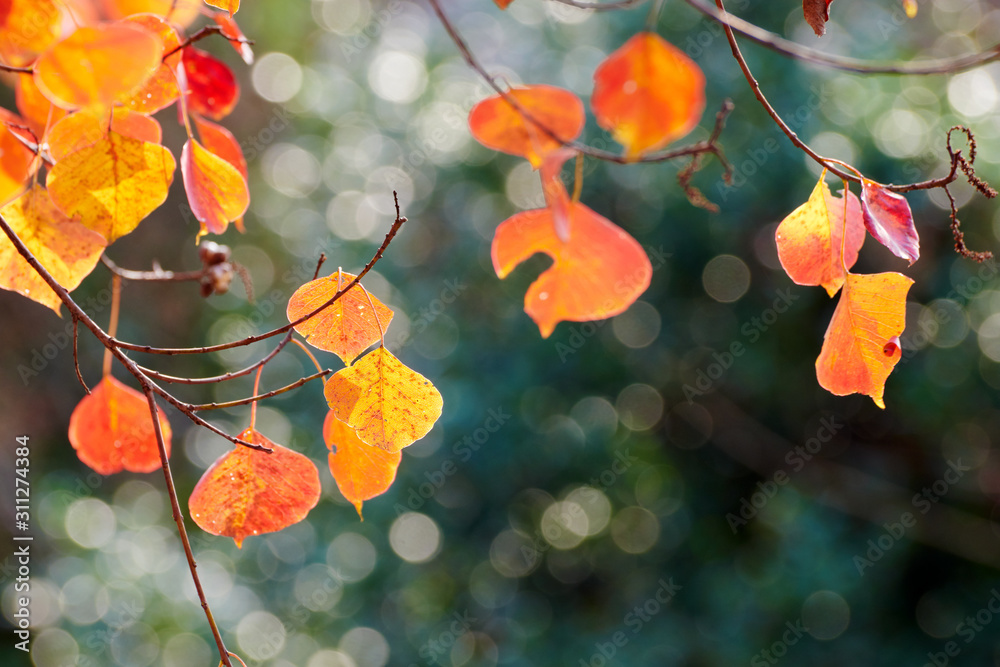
(572, 506)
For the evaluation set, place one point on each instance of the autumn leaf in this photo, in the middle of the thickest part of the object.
(861, 345)
(38, 112)
(111, 430)
(231, 6)
(216, 190)
(496, 124)
(503, 4)
(98, 65)
(648, 93)
(250, 492)
(86, 127)
(888, 218)
(349, 326)
(235, 36)
(212, 88)
(178, 12)
(910, 7)
(598, 272)
(28, 28)
(810, 239)
(817, 13)
(68, 250)
(388, 405)
(15, 159)
(161, 90)
(361, 471)
(112, 185)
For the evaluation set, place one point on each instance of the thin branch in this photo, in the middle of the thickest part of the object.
(322, 258)
(179, 520)
(76, 355)
(805, 54)
(156, 275)
(280, 330)
(707, 146)
(259, 397)
(202, 34)
(602, 6)
(16, 70)
(225, 376)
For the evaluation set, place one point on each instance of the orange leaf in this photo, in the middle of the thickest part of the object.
(98, 65)
(112, 185)
(503, 4)
(15, 158)
(249, 492)
(212, 88)
(349, 326)
(161, 90)
(598, 272)
(216, 190)
(496, 124)
(86, 127)
(221, 141)
(648, 93)
(361, 471)
(111, 430)
(388, 405)
(38, 112)
(231, 6)
(180, 12)
(861, 345)
(68, 250)
(810, 239)
(235, 36)
(27, 28)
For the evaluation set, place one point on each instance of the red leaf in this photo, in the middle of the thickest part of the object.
(888, 218)
(817, 13)
(111, 430)
(212, 88)
(249, 492)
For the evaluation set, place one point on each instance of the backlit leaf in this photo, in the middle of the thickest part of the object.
(36, 109)
(178, 12)
(496, 124)
(216, 190)
(98, 65)
(888, 218)
(598, 272)
(68, 250)
(221, 141)
(161, 90)
(861, 345)
(349, 326)
(503, 4)
(248, 492)
(28, 28)
(112, 185)
(647, 94)
(212, 88)
(361, 471)
(15, 159)
(231, 6)
(817, 13)
(387, 404)
(810, 239)
(234, 35)
(87, 127)
(111, 430)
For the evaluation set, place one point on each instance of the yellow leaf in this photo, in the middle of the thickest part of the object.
(361, 471)
(231, 6)
(861, 345)
(387, 404)
(113, 184)
(349, 326)
(68, 250)
(216, 190)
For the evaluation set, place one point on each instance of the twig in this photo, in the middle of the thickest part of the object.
(202, 34)
(225, 376)
(16, 70)
(156, 275)
(601, 6)
(76, 355)
(805, 54)
(259, 397)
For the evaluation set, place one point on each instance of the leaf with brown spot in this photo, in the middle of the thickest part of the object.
(387, 404)
(68, 250)
(249, 492)
(360, 470)
(111, 430)
(349, 326)
(112, 185)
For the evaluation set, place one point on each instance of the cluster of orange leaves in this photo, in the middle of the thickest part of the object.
(647, 94)
(818, 243)
(98, 72)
